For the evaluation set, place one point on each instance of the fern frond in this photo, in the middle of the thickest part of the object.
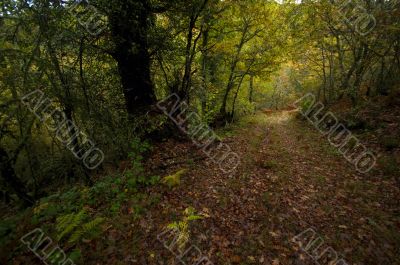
(182, 227)
(77, 235)
(174, 179)
(194, 217)
(92, 225)
(62, 221)
(183, 234)
(86, 229)
(68, 223)
(173, 225)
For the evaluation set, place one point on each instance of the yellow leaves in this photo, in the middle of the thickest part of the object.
(174, 179)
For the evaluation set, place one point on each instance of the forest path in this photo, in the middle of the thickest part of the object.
(289, 180)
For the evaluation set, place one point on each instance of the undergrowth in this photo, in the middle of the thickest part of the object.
(76, 216)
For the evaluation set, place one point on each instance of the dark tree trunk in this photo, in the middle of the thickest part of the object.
(129, 31)
(134, 70)
(191, 50)
(8, 174)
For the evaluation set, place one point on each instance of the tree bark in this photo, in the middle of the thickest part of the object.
(129, 31)
(235, 98)
(232, 71)
(251, 88)
(8, 173)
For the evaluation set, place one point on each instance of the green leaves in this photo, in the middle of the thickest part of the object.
(67, 223)
(76, 226)
(88, 229)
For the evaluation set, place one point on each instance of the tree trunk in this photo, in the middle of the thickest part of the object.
(66, 99)
(331, 75)
(232, 71)
(129, 31)
(382, 85)
(251, 88)
(235, 98)
(324, 73)
(81, 74)
(8, 173)
(191, 50)
(204, 69)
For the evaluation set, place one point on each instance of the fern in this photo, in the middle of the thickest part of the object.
(86, 229)
(74, 226)
(174, 179)
(182, 227)
(67, 223)
(76, 236)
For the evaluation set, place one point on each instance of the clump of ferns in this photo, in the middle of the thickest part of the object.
(75, 227)
(182, 227)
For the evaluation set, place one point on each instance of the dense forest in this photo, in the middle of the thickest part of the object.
(200, 132)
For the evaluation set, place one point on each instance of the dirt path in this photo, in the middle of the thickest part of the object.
(290, 179)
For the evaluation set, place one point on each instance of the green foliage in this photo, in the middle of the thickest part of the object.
(135, 176)
(182, 227)
(76, 227)
(237, 55)
(67, 223)
(114, 192)
(75, 255)
(89, 229)
(60, 203)
(306, 105)
(7, 230)
(174, 179)
(138, 148)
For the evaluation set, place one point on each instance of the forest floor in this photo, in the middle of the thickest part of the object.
(290, 179)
